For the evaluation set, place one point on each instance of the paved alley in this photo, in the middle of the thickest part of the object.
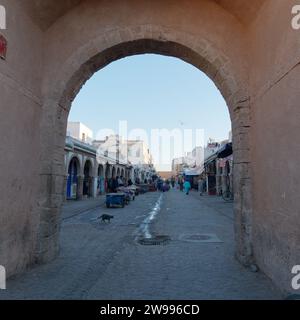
(105, 261)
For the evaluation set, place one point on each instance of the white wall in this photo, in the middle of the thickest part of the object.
(79, 131)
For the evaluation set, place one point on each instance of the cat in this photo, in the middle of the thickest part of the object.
(106, 217)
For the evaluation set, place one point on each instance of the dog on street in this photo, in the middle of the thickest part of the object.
(106, 217)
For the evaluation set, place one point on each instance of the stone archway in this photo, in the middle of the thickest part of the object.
(123, 174)
(87, 179)
(113, 172)
(73, 174)
(107, 171)
(201, 53)
(100, 170)
(101, 179)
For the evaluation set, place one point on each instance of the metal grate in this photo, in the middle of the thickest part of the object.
(198, 237)
(154, 241)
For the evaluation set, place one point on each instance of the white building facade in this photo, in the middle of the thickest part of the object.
(79, 131)
(129, 152)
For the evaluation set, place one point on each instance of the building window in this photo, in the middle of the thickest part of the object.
(83, 137)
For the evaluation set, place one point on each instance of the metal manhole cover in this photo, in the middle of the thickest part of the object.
(203, 237)
(154, 241)
(198, 237)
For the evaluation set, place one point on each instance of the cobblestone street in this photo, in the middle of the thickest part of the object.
(103, 261)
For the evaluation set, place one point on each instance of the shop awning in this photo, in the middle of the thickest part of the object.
(210, 159)
(225, 151)
(193, 172)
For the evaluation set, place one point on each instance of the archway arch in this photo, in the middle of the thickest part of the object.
(114, 172)
(107, 171)
(72, 178)
(101, 179)
(74, 157)
(84, 62)
(87, 179)
(107, 177)
(100, 170)
(123, 174)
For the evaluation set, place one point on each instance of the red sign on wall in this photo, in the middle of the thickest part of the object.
(3, 47)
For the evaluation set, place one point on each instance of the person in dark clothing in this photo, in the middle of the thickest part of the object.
(115, 184)
(160, 185)
(110, 185)
(173, 182)
(181, 185)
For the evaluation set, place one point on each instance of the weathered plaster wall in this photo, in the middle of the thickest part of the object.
(275, 78)
(20, 113)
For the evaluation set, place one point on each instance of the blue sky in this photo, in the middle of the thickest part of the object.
(152, 91)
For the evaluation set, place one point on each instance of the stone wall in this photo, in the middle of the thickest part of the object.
(21, 110)
(275, 77)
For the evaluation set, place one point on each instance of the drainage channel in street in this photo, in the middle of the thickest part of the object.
(143, 234)
(200, 238)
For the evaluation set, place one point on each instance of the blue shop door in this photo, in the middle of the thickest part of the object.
(69, 186)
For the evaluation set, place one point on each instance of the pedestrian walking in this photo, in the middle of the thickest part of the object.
(201, 186)
(173, 182)
(115, 184)
(187, 187)
(181, 185)
(160, 185)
